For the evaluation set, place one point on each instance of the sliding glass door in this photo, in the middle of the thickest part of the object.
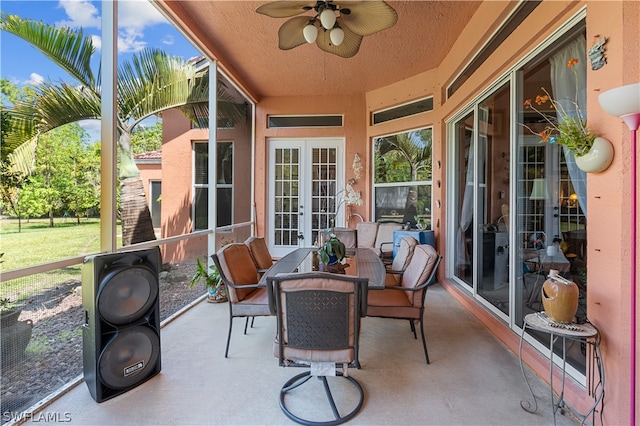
(482, 189)
(517, 204)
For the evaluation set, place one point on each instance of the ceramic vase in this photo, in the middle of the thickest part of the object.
(560, 298)
(598, 158)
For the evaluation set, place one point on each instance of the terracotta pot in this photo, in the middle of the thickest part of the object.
(560, 299)
(598, 158)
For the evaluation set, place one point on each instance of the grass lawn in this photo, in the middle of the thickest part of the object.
(38, 243)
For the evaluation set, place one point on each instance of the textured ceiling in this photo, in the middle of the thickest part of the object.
(247, 43)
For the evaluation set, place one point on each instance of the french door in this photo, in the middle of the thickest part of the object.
(305, 180)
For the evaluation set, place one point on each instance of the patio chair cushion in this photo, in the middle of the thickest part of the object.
(390, 304)
(385, 232)
(422, 263)
(366, 232)
(347, 236)
(373, 234)
(255, 303)
(404, 254)
(259, 252)
(238, 267)
(404, 304)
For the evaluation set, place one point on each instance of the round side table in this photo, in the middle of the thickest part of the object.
(583, 333)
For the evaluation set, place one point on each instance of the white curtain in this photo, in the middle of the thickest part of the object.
(466, 211)
(563, 85)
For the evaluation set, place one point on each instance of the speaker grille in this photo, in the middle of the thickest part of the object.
(126, 294)
(129, 357)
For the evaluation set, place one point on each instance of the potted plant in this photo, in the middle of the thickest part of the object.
(568, 127)
(331, 253)
(212, 282)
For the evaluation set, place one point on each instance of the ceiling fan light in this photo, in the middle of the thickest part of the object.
(328, 18)
(337, 36)
(310, 33)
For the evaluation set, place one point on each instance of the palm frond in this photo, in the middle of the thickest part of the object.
(51, 106)
(23, 158)
(152, 81)
(155, 81)
(61, 103)
(70, 49)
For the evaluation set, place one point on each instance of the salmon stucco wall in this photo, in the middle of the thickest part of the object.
(177, 182)
(609, 194)
(177, 179)
(149, 171)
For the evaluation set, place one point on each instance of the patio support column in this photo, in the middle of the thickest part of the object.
(213, 160)
(108, 128)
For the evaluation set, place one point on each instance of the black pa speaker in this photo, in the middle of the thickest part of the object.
(121, 331)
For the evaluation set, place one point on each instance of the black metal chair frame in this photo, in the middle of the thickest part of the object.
(329, 331)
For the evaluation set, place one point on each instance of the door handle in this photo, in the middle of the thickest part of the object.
(300, 236)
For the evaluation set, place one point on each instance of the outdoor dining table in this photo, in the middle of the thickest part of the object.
(363, 263)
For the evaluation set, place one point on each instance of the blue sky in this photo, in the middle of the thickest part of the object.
(140, 26)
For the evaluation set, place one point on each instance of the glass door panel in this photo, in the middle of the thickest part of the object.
(493, 199)
(323, 189)
(286, 197)
(463, 199)
(551, 194)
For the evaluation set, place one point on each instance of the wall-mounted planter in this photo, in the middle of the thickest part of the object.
(599, 157)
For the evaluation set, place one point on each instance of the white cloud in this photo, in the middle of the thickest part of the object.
(133, 17)
(81, 13)
(97, 42)
(168, 40)
(130, 40)
(35, 79)
(93, 127)
(138, 14)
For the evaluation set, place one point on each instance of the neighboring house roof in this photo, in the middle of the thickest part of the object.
(148, 157)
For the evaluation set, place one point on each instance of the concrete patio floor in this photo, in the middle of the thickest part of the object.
(472, 379)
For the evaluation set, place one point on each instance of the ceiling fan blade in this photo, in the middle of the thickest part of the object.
(285, 8)
(349, 46)
(368, 17)
(290, 34)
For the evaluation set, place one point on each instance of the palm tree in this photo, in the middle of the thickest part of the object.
(408, 148)
(414, 147)
(151, 83)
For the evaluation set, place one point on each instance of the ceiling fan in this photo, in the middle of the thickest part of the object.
(335, 26)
